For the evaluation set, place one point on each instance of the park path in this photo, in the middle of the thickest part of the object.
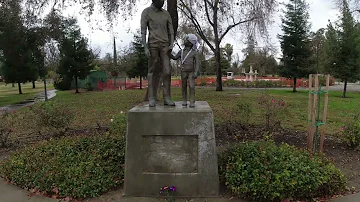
(348, 198)
(11, 193)
(38, 97)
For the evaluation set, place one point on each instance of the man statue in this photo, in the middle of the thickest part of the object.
(160, 43)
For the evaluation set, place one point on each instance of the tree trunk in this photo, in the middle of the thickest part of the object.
(172, 9)
(19, 86)
(345, 85)
(33, 84)
(13, 85)
(140, 82)
(218, 70)
(294, 87)
(76, 84)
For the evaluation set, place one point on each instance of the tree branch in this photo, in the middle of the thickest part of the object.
(234, 25)
(191, 17)
(206, 2)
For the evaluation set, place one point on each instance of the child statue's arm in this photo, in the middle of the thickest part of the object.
(176, 57)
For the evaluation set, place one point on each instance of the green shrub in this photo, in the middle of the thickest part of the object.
(203, 83)
(52, 116)
(263, 171)
(243, 83)
(277, 84)
(77, 167)
(264, 84)
(243, 112)
(231, 83)
(119, 125)
(269, 84)
(89, 87)
(250, 84)
(63, 83)
(351, 132)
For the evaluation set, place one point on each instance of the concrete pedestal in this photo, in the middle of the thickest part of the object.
(171, 146)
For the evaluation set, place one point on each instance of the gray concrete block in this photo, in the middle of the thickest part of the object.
(171, 146)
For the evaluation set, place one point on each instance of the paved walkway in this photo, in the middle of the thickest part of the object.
(29, 102)
(349, 198)
(11, 193)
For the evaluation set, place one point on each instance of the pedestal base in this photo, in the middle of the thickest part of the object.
(171, 146)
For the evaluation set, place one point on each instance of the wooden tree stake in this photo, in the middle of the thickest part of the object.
(323, 131)
(309, 138)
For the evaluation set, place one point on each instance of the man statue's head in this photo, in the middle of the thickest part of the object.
(158, 3)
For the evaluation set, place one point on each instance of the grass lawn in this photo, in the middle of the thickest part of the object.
(99, 107)
(10, 95)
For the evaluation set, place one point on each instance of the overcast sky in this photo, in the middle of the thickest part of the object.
(99, 36)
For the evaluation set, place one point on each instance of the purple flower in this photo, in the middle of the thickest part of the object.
(342, 127)
(173, 188)
(273, 101)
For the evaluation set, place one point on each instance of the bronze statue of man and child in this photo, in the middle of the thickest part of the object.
(159, 46)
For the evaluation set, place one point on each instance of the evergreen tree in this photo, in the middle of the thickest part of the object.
(140, 65)
(342, 48)
(317, 49)
(295, 42)
(76, 60)
(228, 51)
(16, 45)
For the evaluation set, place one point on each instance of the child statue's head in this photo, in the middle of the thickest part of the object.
(191, 41)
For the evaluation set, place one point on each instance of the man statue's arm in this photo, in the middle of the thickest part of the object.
(171, 32)
(144, 24)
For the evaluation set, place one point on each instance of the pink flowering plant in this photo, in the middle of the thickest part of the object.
(351, 132)
(169, 192)
(272, 110)
(6, 127)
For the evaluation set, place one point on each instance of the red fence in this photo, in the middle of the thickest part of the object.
(208, 81)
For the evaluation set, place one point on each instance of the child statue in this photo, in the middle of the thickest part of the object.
(189, 67)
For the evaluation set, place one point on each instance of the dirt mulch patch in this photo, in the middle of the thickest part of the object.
(344, 158)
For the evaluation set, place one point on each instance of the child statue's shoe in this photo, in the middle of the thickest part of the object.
(184, 103)
(152, 103)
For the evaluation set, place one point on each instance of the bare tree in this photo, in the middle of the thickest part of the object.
(251, 16)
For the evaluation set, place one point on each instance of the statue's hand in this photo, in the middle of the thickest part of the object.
(171, 48)
(168, 49)
(147, 52)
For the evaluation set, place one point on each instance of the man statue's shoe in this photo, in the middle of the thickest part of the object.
(184, 103)
(192, 105)
(169, 102)
(152, 103)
